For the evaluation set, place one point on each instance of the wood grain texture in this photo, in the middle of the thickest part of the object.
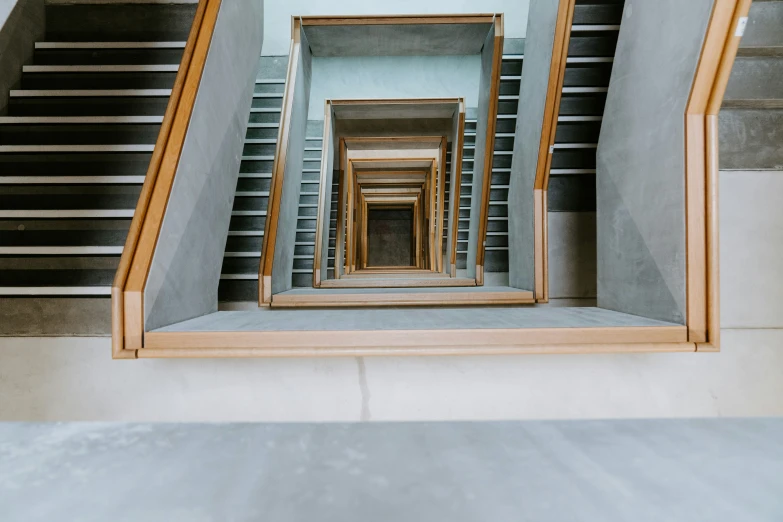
(487, 298)
(701, 178)
(489, 150)
(278, 169)
(478, 341)
(323, 213)
(712, 236)
(485, 18)
(456, 156)
(133, 242)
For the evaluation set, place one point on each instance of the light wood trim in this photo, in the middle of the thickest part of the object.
(488, 298)
(381, 280)
(489, 151)
(429, 19)
(127, 321)
(440, 200)
(323, 217)
(459, 140)
(339, 243)
(278, 169)
(729, 41)
(562, 38)
(266, 349)
(477, 341)
(433, 225)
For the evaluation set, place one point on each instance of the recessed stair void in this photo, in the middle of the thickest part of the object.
(751, 118)
(75, 145)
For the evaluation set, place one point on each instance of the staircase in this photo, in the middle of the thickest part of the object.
(76, 143)
(751, 118)
(591, 50)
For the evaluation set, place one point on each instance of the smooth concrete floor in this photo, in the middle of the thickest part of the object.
(657, 470)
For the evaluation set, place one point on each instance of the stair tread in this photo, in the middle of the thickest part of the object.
(99, 68)
(111, 45)
(74, 93)
(775, 103)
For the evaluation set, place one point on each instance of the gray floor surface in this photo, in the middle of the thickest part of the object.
(658, 470)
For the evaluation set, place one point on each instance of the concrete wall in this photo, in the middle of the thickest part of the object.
(277, 28)
(22, 23)
(640, 162)
(75, 378)
(394, 77)
(524, 162)
(185, 272)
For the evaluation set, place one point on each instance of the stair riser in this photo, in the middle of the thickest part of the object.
(99, 56)
(117, 164)
(764, 25)
(79, 134)
(756, 79)
(751, 139)
(88, 106)
(134, 80)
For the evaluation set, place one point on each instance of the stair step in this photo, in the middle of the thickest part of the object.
(71, 180)
(55, 290)
(91, 93)
(99, 68)
(80, 120)
(775, 103)
(75, 148)
(761, 50)
(61, 250)
(65, 214)
(110, 45)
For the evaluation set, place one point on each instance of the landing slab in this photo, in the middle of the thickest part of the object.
(716, 470)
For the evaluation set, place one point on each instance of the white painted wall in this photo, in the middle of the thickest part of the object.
(75, 379)
(394, 77)
(277, 14)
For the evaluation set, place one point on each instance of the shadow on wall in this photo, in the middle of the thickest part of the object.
(22, 23)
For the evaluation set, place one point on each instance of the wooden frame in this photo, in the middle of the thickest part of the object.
(702, 172)
(131, 276)
(701, 333)
(702, 169)
(489, 151)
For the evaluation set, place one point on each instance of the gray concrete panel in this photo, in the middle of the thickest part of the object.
(282, 269)
(185, 272)
(686, 470)
(453, 210)
(641, 159)
(572, 255)
(397, 40)
(530, 119)
(329, 142)
(19, 31)
(482, 122)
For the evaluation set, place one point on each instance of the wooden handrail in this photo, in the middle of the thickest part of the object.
(278, 169)
(489, 150)
(701, 176)
(128, 285)
(322, 217)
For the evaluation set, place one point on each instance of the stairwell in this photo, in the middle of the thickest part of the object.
(74, 149)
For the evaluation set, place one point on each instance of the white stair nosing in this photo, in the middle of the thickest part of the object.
(264, 109)
(584, 90)
(71, 180)
(261, 141)
(559, 172)
(510, 78)
(507, 116)
(266, 81)
(255, 175)
(242, 254)
(513, 56)
(590, 59)
(110, 45)
(258, 158)
(55, 290)
(504, 97)
(61, 251)
(78, 120)
(246, 233)
(240, 277)
(99, 68)
(565, 119)
(75, 148)
(248, 213)
(88, 93)
(263, 126)
(62, 214)
(253, 194)
(577, 28)
(267, 95)
(572, 146)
